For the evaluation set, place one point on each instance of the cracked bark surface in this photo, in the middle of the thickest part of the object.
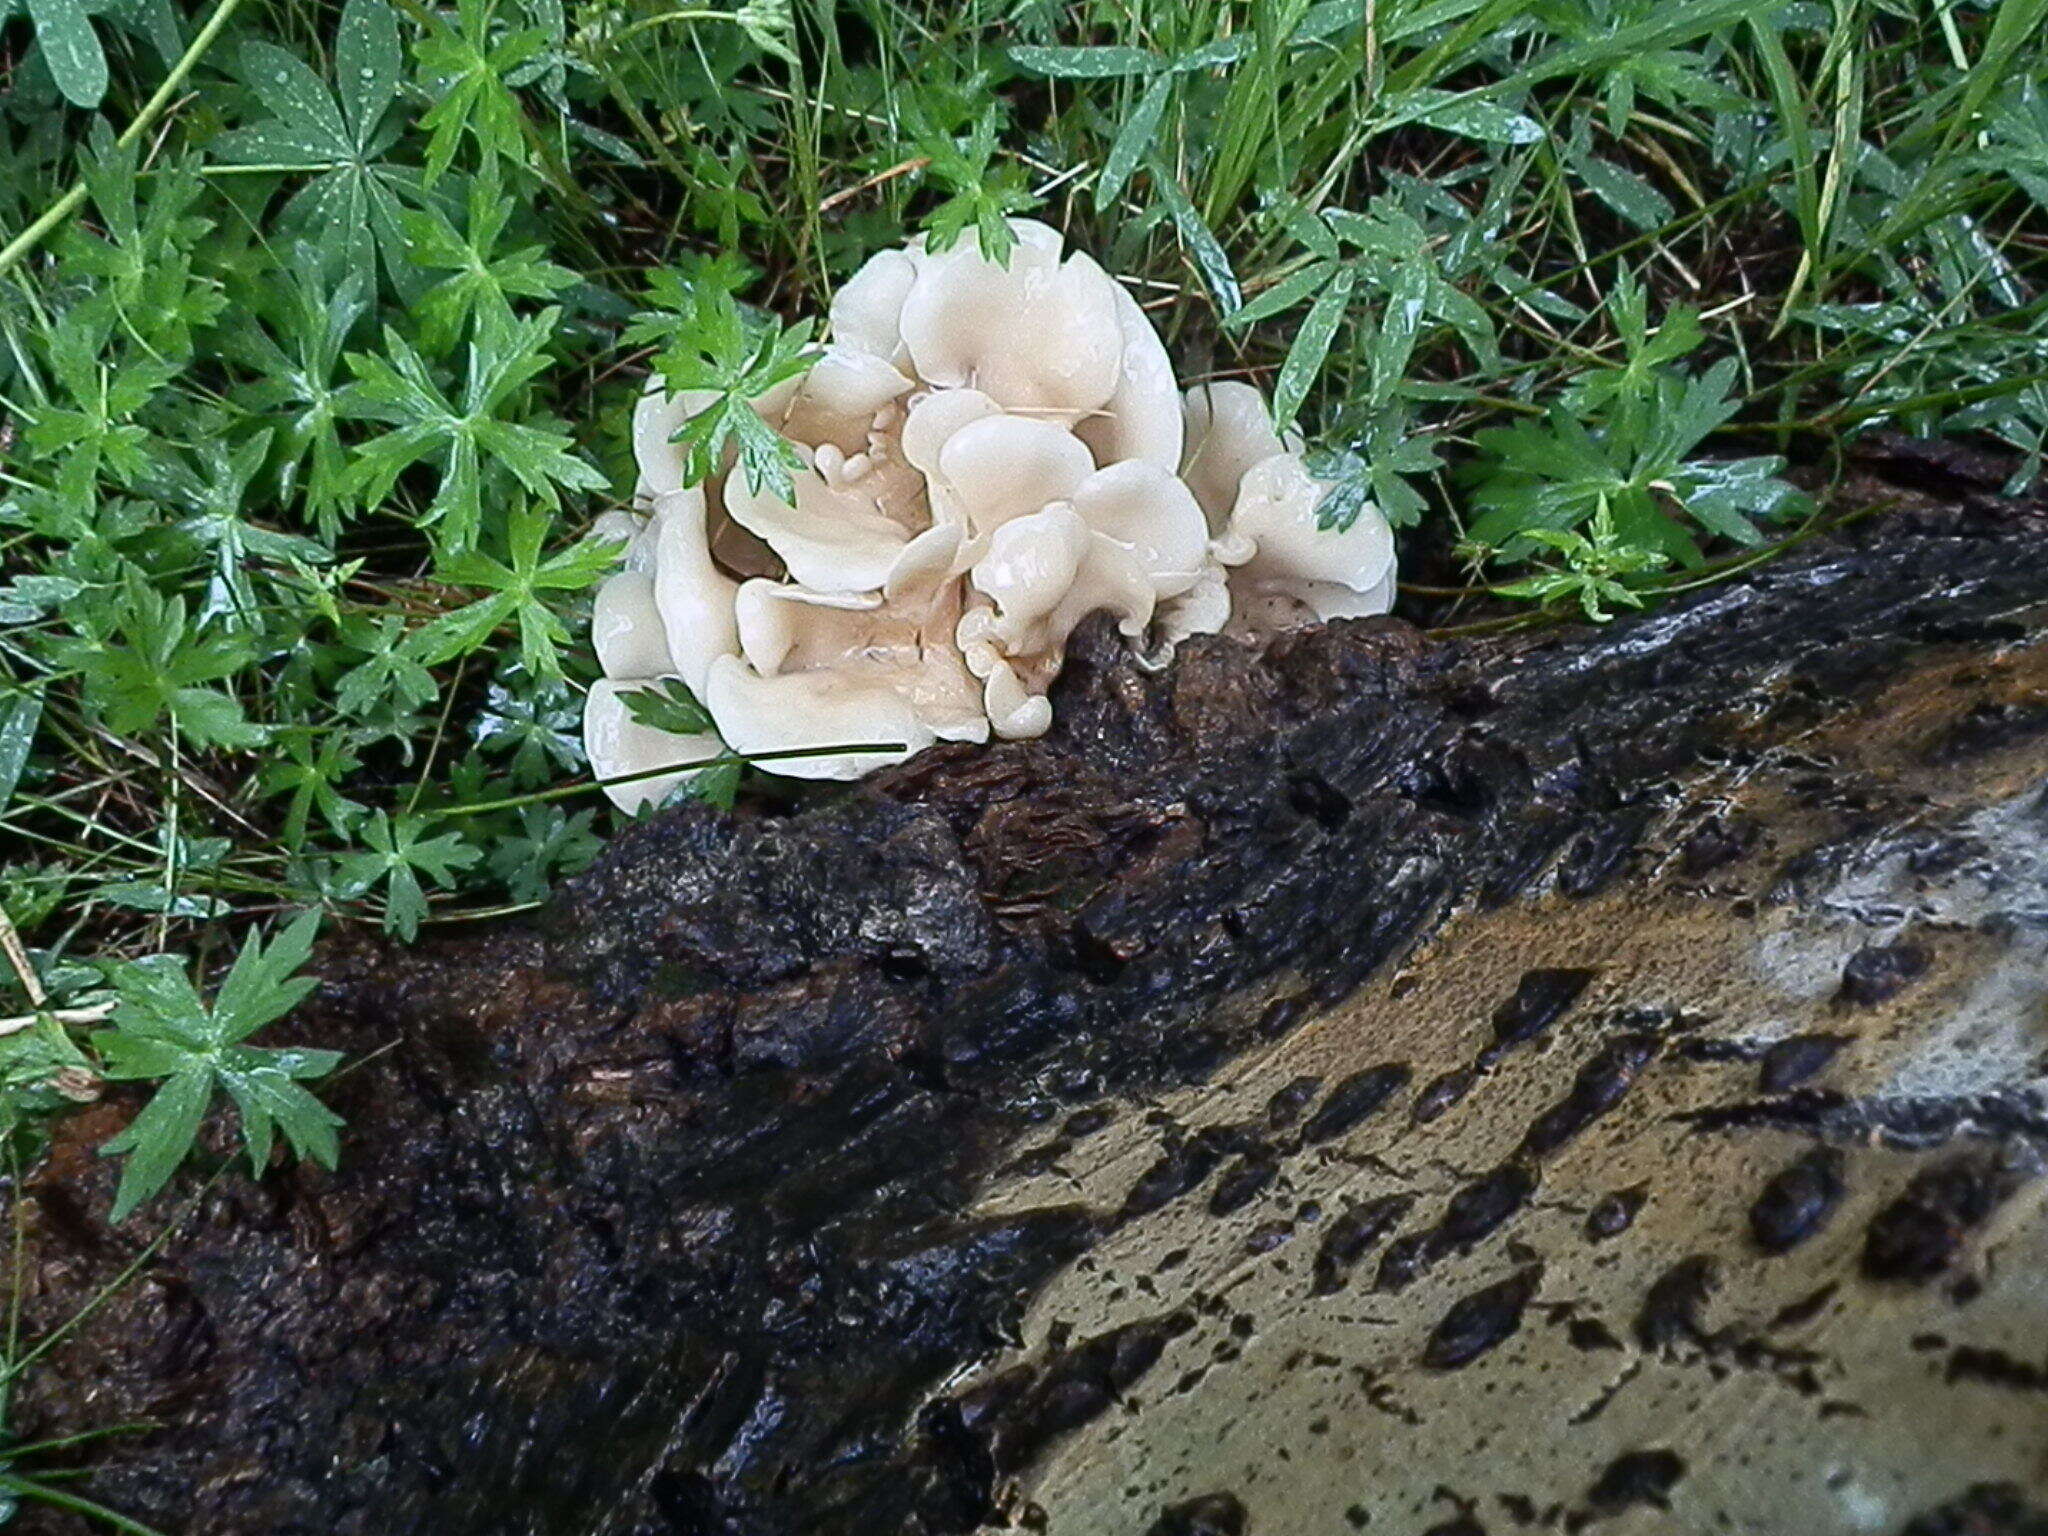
(1587, 1082)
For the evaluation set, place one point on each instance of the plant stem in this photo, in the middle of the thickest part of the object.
(152, 109)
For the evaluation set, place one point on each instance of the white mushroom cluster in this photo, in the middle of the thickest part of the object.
(991, 452)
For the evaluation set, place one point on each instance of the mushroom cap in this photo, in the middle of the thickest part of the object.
(1228, 431)
(626, 628)
(635, 530)
(1278, 546)
(1001, 467)
(1039, 334)
(1203, 609)
(834, 538)
(1142, 419)
(928, 425)
(1015, 713)
(867, 312)
(757, 714)
(1143, 508)
(618, 745)
(657, 417)
(693, 596)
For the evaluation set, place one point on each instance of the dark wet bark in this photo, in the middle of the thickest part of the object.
(661, 1214)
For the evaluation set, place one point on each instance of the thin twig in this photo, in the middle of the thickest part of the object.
(847, 194)
(17, 958)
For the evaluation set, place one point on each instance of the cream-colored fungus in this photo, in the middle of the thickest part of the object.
(990, 452)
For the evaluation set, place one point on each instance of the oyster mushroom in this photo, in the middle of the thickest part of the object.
(1286, 569)
(619, 746)
(1142, 418)
(1038, 334)
(987, 453)
(796, 710)
(626, 628)
(1228, 431)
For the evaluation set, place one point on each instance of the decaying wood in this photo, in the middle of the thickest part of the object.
(1383, 1085)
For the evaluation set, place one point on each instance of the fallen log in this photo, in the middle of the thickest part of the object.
(1383, 1084)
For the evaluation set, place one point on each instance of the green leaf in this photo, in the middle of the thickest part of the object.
(71, 49)
(20, 713)
(262, 986)
(769, 27)
(397, 852)
(471, 68)
(297, 99)
(668, 705)
(1400, 324)
(1085, 63)
(466, 436)
(1624, 191)
(708, 343)
(483, 282)
(1473, 117)
(1285, 294)
(1203, 246)
(159, 1138)
(983, 195)
(1132, 141)
(161, 1029)
(1311, 346)
(368, 65)
(520, 595)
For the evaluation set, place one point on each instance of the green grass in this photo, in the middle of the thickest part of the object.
(318, 327)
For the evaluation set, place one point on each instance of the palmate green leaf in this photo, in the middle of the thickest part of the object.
(470, 68)
(548, 845)
(387, 672)
(482, 282)
(538, 721)
(262, 1085)
(293, 355)
(708, 343)
(462, 437)
(522, 593)
(140, 664)
(309, 764)
(349, 210)
(982, 195)
(162, 1029)
(397, 853)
